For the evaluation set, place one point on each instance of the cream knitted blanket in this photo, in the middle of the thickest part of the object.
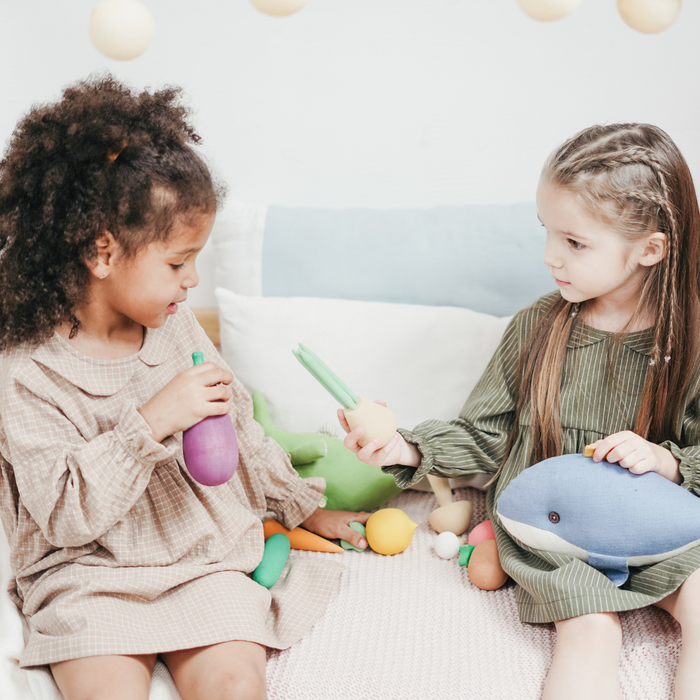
(412, 627)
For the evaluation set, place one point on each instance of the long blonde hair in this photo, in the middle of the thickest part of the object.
(634, 178)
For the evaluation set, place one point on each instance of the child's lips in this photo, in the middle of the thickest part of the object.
(561, 283)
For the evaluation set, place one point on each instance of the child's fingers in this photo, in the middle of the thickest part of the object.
(352, 536)
(209, 374)
(351, 440)
(343, 420)
(361, 517)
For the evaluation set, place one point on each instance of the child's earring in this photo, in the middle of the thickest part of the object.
(103, 275)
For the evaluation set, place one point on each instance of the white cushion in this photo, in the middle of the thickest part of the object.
(237, 238)
(422, 360)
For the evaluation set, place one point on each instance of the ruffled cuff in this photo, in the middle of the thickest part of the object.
(134, 434)
(406, 477)
(304, 498)
(688, 467)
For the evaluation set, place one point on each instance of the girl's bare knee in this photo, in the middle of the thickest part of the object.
(592, 633)
(242, 685)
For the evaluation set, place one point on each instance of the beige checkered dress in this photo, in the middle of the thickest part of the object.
(115, 549)
(555, 586)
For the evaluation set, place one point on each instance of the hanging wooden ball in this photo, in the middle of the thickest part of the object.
(121, 29)
(649, 16)
(548, 10)
(279, 8)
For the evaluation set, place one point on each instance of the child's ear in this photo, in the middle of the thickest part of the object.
(654, 249)
(106, 247)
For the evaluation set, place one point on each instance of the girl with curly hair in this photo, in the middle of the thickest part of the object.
(117, 554)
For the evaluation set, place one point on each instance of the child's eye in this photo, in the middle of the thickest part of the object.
(177, 267)
(575, 244)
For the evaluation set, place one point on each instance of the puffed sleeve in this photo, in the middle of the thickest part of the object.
(475, 442)
(689, 456)
(75, 489)
(265, 473)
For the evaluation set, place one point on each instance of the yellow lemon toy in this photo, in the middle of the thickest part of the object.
(389, 531)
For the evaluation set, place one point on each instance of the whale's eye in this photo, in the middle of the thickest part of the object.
(554, 517)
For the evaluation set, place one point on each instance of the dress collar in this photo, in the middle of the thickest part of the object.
(639, 341)
(106, 377)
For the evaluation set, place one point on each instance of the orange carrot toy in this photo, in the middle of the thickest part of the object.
(300, 538)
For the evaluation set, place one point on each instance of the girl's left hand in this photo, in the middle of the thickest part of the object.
(636, 454)
(334, 524)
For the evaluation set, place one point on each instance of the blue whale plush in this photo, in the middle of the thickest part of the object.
(600, 513)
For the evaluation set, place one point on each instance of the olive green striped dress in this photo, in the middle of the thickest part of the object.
(553, 586)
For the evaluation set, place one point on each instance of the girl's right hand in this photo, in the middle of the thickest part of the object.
(396, 451)
(189, 397)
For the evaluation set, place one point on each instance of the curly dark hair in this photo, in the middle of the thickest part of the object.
(104, 157)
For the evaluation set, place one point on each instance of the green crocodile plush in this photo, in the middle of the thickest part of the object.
(350, 484)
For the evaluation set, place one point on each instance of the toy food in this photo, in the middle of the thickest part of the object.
(210, 447)
(300, 538)
(447, 545)
(350, 484)
(273, 560)
(483, 531)
(452, 516)
(377, 421)
(389, 531)
(600, 513)
(358, 527)
(484, 568)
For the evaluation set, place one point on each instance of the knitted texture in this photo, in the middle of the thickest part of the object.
(412, 627)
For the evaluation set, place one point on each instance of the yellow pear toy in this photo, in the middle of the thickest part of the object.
(389, 531)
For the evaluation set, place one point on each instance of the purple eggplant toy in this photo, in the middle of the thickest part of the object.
(210, 446)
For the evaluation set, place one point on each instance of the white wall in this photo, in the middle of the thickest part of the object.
(380, 103)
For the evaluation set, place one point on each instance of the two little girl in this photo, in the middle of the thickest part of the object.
(118, 555)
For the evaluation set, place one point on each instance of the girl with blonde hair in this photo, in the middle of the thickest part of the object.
(611, 359)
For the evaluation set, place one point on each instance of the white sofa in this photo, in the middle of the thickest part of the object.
(406, 306)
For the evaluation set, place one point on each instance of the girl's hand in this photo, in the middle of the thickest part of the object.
(334, 524)
(200, 391)
(633, 452)
(396, 451)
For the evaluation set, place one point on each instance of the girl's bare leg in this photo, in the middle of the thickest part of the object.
(684, 605)
(586, 659)
(219, 672)
(105, 677)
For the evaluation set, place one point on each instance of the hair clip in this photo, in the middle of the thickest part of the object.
(573, 313)
(652, 363)
(113, 155)
(667, 359)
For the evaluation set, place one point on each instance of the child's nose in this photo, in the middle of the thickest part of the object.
(192, 280)
(550, 257)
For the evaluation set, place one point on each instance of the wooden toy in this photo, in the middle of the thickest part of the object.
(300, 538)
(273, 560)
(484, 568)
(447, 545)
(210, 447)
(480, 556)
(451, 516)
(377, 421)
(389, 531)
(358, 527)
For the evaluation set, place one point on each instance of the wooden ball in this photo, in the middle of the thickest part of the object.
(121, 29)
(484, 568)
(649, 16)
(548, 10)
(279, 8)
